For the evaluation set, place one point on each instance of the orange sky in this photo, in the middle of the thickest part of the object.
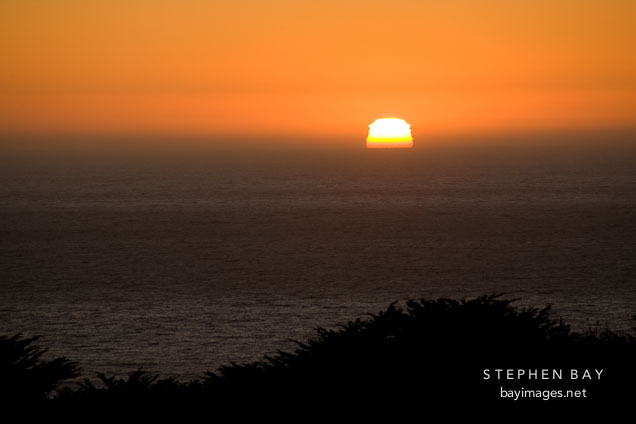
(315, 68)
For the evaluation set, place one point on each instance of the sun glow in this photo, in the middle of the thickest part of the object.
(389, 132)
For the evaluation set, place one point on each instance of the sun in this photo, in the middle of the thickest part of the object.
(389, 133)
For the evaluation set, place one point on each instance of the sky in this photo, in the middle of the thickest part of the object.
(315, 69)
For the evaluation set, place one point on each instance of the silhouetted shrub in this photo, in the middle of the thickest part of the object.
(435, 352)
(431, 354)
(138, 388)
(24, 375)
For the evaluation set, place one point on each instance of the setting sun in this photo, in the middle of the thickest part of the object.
(389, 132)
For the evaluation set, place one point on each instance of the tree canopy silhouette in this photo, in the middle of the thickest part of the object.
(430, 352)
(24, 375)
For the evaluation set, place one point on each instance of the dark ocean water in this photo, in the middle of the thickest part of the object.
(182, 262)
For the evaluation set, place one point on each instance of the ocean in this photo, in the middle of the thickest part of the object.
(179, 262)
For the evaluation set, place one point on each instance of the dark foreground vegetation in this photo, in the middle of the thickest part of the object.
(427, 355)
